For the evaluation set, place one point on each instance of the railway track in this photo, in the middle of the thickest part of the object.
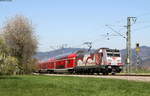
(144, 75)
(132, 77)
(132, 74)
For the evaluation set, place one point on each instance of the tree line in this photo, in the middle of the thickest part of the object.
(18, 45)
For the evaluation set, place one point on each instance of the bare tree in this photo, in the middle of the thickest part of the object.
(21, 39)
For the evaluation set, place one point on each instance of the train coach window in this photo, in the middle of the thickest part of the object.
(68, 61)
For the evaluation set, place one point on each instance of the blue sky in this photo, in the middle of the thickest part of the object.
(73, 22)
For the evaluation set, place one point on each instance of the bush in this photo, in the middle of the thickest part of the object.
(8, 64)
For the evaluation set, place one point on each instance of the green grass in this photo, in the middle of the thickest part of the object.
(70, 86)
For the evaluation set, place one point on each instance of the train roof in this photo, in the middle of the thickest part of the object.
(112, 50)
(78, 52)
(63, 55)
(109, 50)
(83, 51)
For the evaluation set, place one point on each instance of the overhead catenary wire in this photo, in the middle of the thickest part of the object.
(111, 35)
(116, 31)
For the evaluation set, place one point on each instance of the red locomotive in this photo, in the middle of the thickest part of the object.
(103, 61)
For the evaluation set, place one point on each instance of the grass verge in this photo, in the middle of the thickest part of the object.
(30, 85)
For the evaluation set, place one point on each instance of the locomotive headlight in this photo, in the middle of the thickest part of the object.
(109, 67)
(118, 60)
(120, 67)
(109, 60)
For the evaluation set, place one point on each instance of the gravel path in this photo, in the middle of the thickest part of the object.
(134, 78)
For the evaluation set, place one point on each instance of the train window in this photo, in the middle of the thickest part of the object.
(115, 55)
(68, 61)
(111, 50)
(109, 54)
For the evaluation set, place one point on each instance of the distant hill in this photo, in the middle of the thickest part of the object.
(144, 54)
(46, 55)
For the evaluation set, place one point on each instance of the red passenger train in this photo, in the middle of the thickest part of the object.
(103, 60)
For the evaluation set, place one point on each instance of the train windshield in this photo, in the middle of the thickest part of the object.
(114, 53)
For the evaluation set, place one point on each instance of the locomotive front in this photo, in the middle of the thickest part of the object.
(113, 59)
